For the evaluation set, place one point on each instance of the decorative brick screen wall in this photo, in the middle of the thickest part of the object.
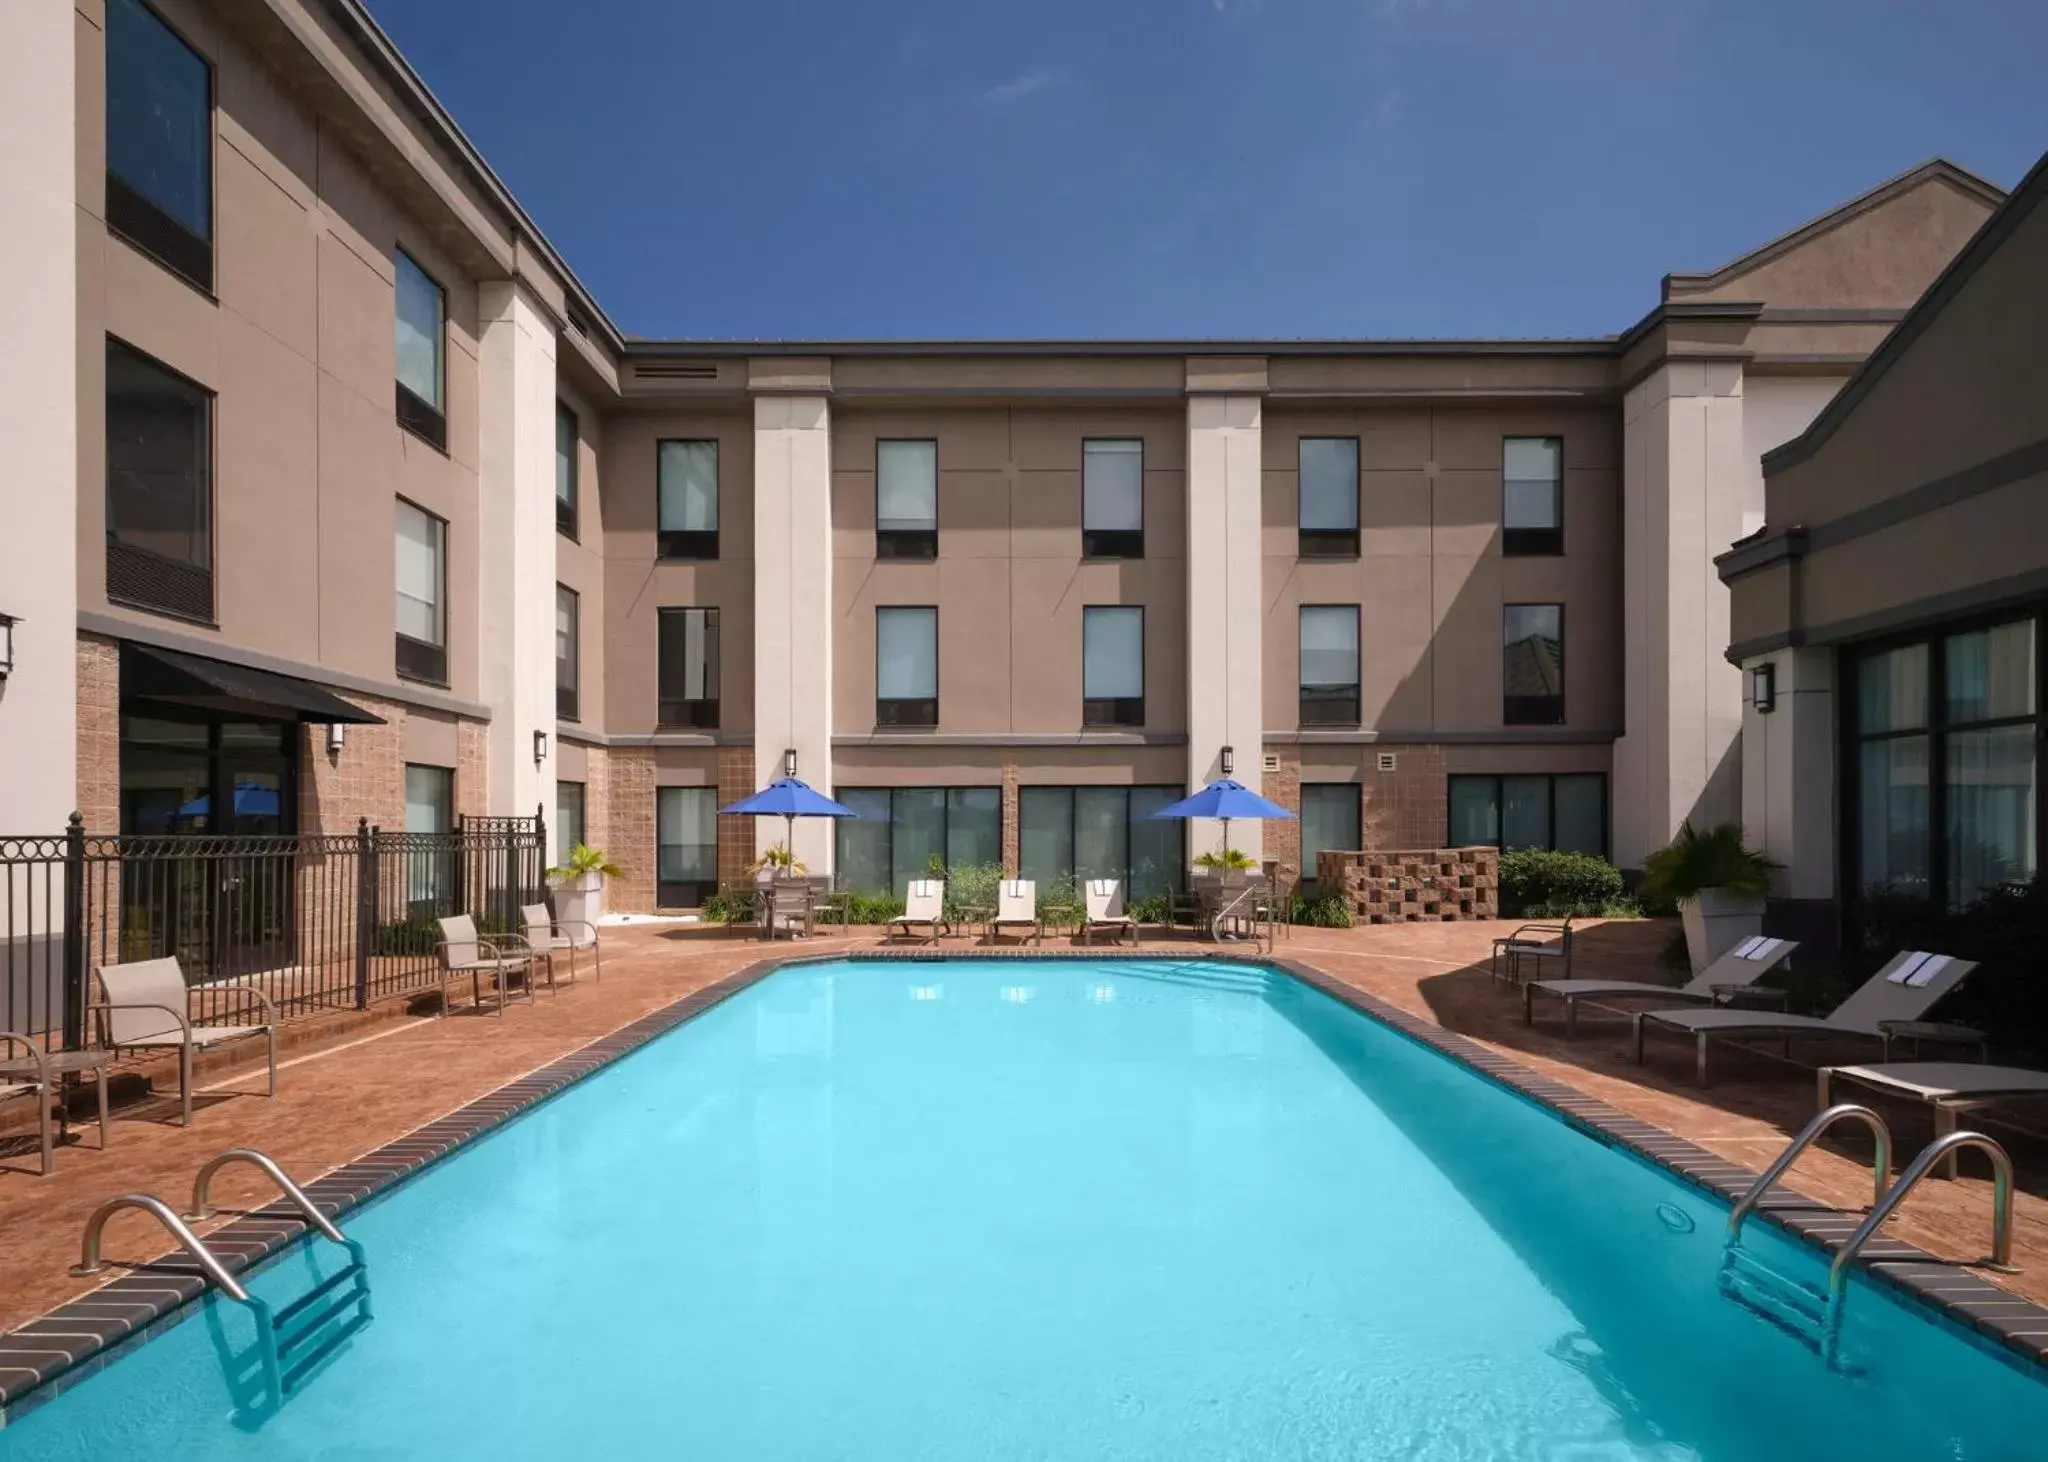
(1410, 887)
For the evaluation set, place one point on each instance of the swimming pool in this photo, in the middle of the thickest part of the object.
(1049, 1209)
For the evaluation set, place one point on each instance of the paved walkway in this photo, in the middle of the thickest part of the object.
(379, 1081)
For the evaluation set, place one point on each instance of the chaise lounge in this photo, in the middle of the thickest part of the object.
(924, 902)
(1728, 979)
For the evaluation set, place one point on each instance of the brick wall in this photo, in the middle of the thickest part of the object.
(1407, 807)
(1414, 885)
(1281, 839)
(630, 828)
(1012, 854)
(99, 735)
(735, 834)
(473, 771)
(365, 779)
(597, 805)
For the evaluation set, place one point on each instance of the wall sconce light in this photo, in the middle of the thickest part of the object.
(7, 623)
(337, 733)
(1229, 760)
(540, 747)
(1763, 688)
(789, 762)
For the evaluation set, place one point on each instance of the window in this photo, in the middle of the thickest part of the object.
(565, 471)
(1329, 819)
(906, 499)
(159, 142)
(1532, 665)
(567, 622)
(1945, 794)
(429, 810)
(1112, 499)
(899, 832)
(907, 667)
(159, 487)
(1329, 497)
(1567, 811)
(1532, 495)
(568, 819)
(422, 309)
(1112, 666)
(1067, 835)
(685, 846)
(422, 594)
(1329, 664)
(687, 675)
(686, 482)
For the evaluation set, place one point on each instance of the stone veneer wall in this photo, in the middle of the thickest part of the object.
(364, 780)
(597, 799)
(736, 834)
(1409, 806)
(473, 773)
(1414, 886)
(1280, 840)
(630, 828)
(99, 737)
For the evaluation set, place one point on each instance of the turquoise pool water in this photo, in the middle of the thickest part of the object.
(983, 1209)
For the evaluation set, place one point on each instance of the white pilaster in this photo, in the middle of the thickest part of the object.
(1225, 613)
(39, 417)
(516, 579)
(793, 607)
(1788, 772)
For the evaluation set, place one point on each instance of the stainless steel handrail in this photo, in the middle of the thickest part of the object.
(1808, 1135)
(1934, 1152)
(90, 1263)
(201, 1209)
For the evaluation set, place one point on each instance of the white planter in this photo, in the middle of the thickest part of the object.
(1716, 921)
(580, 898)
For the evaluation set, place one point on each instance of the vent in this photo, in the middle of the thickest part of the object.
(1388, 761)
(577, 323)
(1271, 763)
(681, 370)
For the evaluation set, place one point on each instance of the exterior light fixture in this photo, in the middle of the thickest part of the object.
(7, 623)
(789, 762)
(336, 734)
(540, 747)
(1763, 688)
(1229, 760)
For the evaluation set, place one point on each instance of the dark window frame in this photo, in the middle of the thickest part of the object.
(1307, 875)
(560, 825)
(420, 417)
(1532, 542)
(690, 892)
(1329, 542)
(679, 712)
(1550, 833)
(568, 696)
(420, 660)
(1113, 543)
(1533, 710)
(143, 578)
(906, 712)
(699, 545)
(1113, 712)
(1339, 706)
(897, 878)
(912, 545)
(567, 510)
(139, 221)
(1177, 875)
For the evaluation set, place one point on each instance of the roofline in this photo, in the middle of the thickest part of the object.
(729, 349)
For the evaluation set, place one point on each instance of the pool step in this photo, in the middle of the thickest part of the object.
(302, 1331)
(1797, 1308)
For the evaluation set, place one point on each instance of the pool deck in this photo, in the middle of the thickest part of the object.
(364, 1084)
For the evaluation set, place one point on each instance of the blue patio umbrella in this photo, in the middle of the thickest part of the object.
(786, 797)
(251, 800)
(1224, 799)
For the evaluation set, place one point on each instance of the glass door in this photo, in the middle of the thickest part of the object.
(252, 920)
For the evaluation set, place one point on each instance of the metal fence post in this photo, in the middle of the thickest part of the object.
(366, 908)
(538, 889)
(77, 995)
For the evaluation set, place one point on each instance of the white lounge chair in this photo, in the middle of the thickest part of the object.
(1104, 898)
(1886, 1006)
(548, 936)
(924, 902)
(501, 957)
(148, 1007)
(1017, 908)
(1719, 983)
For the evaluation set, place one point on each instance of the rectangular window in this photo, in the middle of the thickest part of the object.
(1329, 497)
(422, 315)
(568, 829)
(567, 631)
(906, 499)
(687, 675)
(565, 471)
(422, 595)
(1566, 811)
(907, 667)
(685, 846)
(1329, 820)
(686, 483)
(1329, 665)
(430, 813)
(1066, 835)
(1112, 666)
(1112, 499)
(1532, 495)
(159, 487)
(1532, 665)
(159, 141)
(900, 832)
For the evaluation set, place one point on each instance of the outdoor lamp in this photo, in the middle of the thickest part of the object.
(540, 747)
(1229, 760)
(6, 645)
(336, 734)
(789, 762)
(1763, 688)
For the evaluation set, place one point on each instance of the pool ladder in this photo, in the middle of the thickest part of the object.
(290, 1340)
(1813, 1314)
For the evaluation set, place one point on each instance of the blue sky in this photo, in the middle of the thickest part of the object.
(1202, 168)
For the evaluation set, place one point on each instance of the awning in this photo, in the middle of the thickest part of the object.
(234, 690)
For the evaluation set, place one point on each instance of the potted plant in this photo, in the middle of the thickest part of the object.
(579, 884)
(778, 862)
(1718, 885)
(1229, 865)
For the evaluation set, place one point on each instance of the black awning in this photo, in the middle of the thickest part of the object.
(235, 690)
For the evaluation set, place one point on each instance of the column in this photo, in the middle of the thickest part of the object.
(516, 582)
(1225, 612)
(1788, 775)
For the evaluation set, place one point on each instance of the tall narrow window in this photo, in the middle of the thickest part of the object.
(1532, 665)
(159, 141)
(422, 594)
(685, 846)
(1567, 811)
(422, 313)
(897, 834)
(688, 671)
(1113, 499)
(1329, 497)
(906, 499)
(1532, 495)
(565, 470)
(568, 828)
(686, 482)
(159, 487)
(1329, 821)
(567, 631)
(1112, 666)
(429, 816)
(907, 667)
(1329, 665)
(1069, 834)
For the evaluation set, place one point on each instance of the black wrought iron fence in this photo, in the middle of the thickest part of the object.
(317, 922)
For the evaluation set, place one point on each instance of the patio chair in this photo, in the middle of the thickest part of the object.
(924, 902)
(1527, 942)
(38, 1086)
(1105, 899)
(1722, 982)
(501, 956)
(548, 936)
(1886, 1007)
(148, 1007)
(1017, 908)
(788, 905)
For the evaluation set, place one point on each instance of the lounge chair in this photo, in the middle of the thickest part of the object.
(1722, 981)
(1886, 1006)
(1948, 1087)
(501, 957)
(1105, 910)
(548, 936)
(924, 902)
(1532, 942)
(148, 1007)
(38, 1086)
(1017, 908)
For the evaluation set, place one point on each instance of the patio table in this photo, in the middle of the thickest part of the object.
(61, 1064)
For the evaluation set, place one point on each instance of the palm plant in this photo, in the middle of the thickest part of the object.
(1697, 860)
(584, 859)
(779, 858)
(1230, 860)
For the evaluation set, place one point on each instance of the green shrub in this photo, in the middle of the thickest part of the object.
(1149, 910)
(972, 885)
(873, 908)
(1546, 884)
(1697, 860)
(1329, 911)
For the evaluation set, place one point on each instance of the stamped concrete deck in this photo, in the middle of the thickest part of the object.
(380, 1080)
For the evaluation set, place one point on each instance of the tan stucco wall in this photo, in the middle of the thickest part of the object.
(580, 563)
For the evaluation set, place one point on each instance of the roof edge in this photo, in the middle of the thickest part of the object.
(729, 349)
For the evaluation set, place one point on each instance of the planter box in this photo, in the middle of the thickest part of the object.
(580, 898)
(1716, 921)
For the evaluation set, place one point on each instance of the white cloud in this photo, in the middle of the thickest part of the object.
(1030, 84)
